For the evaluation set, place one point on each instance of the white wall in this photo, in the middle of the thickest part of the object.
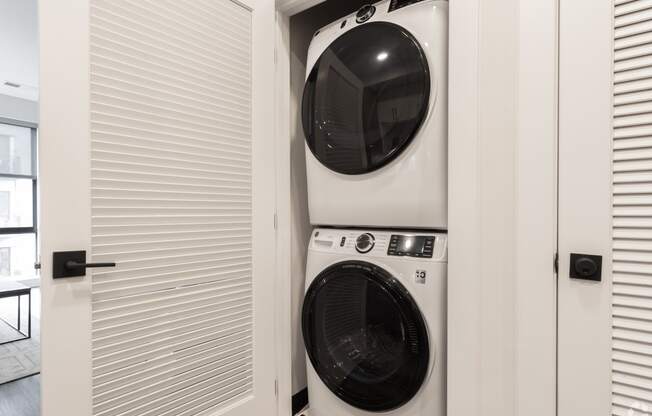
(19, 47)
(302, 27)
(502, 312)
(19, 59)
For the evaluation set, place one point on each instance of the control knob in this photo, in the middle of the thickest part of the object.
(365, 13)
(365, 242)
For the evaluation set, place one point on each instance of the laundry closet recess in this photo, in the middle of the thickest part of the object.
(369, 202)
(302, 28)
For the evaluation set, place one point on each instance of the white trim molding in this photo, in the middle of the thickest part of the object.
(502, 205)
(283, 217)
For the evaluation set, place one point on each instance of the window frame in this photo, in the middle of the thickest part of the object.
(8, 258)
(33, 177)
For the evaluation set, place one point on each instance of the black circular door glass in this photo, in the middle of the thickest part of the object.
(365, 336)
(365, 98)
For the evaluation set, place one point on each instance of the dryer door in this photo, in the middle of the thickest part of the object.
(365, 336)
(365, 98)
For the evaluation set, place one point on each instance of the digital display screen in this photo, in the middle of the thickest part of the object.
(411, 244)
(398, 4)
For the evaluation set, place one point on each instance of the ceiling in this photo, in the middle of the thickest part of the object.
(19, 48)
(291, 7)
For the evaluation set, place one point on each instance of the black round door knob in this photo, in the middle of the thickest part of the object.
(586, 267)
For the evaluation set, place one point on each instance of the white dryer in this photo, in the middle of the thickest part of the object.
(374, 323)
(374, 114)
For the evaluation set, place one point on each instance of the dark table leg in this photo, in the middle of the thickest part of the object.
(18, 297)
(29, 312)
(19, 325)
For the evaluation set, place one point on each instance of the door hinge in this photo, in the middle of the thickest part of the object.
(275, 221)
(556, 263)
(276, 388)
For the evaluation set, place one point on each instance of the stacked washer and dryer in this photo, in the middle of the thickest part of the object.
(374, 114)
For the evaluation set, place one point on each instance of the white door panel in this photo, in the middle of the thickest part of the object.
(585, 205)
(156, 155)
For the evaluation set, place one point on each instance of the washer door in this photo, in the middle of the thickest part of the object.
(366, 98)
(365, 336)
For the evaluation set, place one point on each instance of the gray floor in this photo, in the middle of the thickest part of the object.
(21, 398)
(21, 358)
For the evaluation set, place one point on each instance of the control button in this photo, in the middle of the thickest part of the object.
(365, 13)
(343, 241)
(365, 242)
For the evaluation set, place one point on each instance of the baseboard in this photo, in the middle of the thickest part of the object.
(299, 401)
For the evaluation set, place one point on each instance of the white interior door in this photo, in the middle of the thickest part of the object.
(156, 153)
(605, 203)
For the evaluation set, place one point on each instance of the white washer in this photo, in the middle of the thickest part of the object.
(374, 323)
(374, 115)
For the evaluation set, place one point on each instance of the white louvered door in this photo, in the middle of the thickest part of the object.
(157, 153)
(632, 243)
(605, 335)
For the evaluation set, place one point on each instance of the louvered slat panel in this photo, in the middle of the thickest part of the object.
(161, 367)
(625, 7)
(171, 204)
(632, 209)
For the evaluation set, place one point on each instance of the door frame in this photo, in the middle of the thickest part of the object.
(502, 243)
(283, 221)
(507, 304)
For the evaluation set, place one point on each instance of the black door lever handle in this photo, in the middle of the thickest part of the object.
(72, 264)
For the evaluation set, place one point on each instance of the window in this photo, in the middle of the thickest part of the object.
(18, 192)
(5, 261)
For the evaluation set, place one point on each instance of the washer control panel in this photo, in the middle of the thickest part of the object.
(408, 245)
